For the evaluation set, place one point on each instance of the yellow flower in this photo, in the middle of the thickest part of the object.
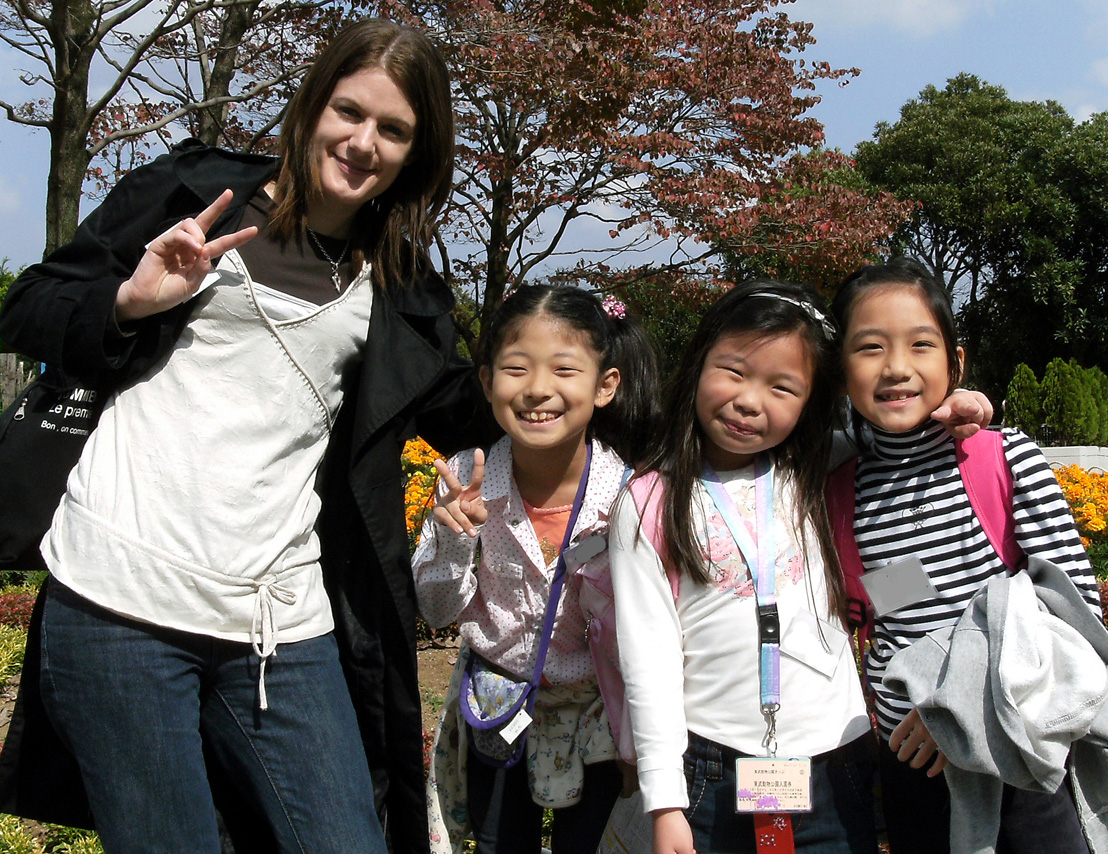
(1087, 494)
(417, 460)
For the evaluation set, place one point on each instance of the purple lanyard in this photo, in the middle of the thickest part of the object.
(560, 572)
(761, 560)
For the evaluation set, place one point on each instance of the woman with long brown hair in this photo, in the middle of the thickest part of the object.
(267, 331)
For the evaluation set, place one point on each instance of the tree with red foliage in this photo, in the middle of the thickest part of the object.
(675, 126)
(673, 133)
(184, 60)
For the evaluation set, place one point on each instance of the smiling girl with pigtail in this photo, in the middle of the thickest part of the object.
(573, 386)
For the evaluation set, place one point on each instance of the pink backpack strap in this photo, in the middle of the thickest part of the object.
(988, 481)
(647, 494)
(840, 509)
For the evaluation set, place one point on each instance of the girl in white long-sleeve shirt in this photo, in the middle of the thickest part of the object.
(736, 485)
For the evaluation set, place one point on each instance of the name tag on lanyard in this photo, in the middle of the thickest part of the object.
(771, 784)
(898, 585)
(768, 787)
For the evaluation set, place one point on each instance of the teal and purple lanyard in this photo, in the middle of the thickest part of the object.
(761, 559)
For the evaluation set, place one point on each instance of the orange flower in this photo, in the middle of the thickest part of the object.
(417, 462)
(1087, 494)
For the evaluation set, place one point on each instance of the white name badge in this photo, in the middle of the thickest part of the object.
(897, 585)
(584, 551)
(814, 642)
(518, 724)
(769, 784)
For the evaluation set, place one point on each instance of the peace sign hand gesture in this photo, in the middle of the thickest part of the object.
(461, 508)
(176, 263)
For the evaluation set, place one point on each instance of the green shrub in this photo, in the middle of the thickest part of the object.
(1023, 406)
(13, 641)
(14, 838)
(21, 578)
(1086, 428)
(71, 840)
(1100, 394)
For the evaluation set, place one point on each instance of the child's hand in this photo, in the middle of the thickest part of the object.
(912, 743)
(964, 413)
(672, 834)
(462, 507)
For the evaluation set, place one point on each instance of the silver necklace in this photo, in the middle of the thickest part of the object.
(334, 263)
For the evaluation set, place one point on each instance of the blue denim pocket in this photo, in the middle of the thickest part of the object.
(696, 779)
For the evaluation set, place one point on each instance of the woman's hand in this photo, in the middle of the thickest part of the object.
(912, 743)
(461, 508)
(963, 413)
(176, 263)
(672, 834)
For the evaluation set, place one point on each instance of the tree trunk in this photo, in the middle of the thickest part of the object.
(211, 122)
(73, 37)
(496, 273)
(14, 376)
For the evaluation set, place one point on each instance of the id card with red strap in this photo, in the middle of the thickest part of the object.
(772, 784)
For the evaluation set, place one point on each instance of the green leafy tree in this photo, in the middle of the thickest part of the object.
(1065, 411)
(1100, 394)
(1088, 411)
(1054, 390)
(1023, 406)
(7, 276)
(1012, 213)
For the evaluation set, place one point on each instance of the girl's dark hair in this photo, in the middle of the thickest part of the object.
(395, 229)
(903, 272)
(628, 423)
(770, 309)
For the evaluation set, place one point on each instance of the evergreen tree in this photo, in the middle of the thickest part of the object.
(1098, 391)
(1086, 426)
(1023, 406)
(1056, 386)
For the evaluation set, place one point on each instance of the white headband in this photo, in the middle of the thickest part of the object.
(809, 309)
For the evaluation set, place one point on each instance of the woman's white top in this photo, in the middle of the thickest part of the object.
(192, 505)
(691, 664)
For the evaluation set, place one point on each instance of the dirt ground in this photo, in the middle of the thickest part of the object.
(435, 666)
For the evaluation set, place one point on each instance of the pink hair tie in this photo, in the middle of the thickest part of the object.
(613, 307)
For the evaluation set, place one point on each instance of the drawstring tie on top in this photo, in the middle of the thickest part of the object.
(263, 627)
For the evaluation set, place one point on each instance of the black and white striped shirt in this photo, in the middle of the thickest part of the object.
(910, 500)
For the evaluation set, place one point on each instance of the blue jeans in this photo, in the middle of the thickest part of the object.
(137, 703)
(841, 820)
(917, 814)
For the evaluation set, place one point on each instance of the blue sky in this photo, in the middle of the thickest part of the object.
(1036, 49)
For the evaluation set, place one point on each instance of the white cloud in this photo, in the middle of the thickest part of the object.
(1084, 112)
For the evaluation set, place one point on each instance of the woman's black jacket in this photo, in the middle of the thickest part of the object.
(411, 382)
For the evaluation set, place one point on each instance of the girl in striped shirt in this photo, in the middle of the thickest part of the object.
(901, 358)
